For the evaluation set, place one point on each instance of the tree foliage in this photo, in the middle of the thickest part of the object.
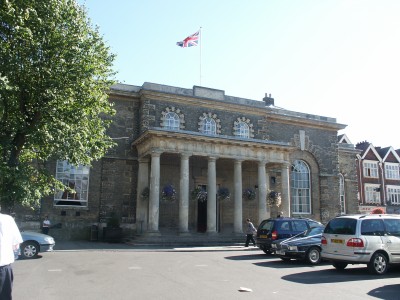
(55, 71)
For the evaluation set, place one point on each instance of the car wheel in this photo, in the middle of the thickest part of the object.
(314, 255)
(339, 265)
(267, 251)
(378, 264)
(29, 249)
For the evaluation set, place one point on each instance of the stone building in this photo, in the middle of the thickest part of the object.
(197, 161)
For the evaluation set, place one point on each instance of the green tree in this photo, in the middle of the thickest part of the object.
(55, 71)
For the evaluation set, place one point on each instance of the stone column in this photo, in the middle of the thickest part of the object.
(154, 201)
(211, 196)
(262, 191)
(285, 206)
(184, 195)
(142, 205)
(237, 206)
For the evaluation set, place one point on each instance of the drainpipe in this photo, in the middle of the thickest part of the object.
(383, 191)
(360, 185)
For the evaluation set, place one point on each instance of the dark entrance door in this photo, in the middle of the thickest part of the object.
(202, 216)
(202, 211)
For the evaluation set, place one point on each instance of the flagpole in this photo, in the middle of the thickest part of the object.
(201, 42)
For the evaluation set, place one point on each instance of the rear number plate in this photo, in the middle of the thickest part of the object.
(263, 236)
(337, 241)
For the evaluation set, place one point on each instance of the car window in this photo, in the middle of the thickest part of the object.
(341, 226)
(372, 227)
(283, 226)
(299, 225)
(314, 223)
(392, 226)
(267, 225)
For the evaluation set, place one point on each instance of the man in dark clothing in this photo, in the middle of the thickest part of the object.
(250, 230)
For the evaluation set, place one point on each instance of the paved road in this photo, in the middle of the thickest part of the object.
(111, 271)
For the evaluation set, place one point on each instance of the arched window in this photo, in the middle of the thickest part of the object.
(243, 130)
(342, 199)
(300, 188)
(172, 121)
(209, 126)
(172, 118)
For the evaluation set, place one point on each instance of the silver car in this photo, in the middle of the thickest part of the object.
(362, 239)
(33, 243)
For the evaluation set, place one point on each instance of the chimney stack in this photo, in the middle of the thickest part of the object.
(268, 100)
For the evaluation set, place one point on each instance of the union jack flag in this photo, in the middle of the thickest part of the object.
(191, 40)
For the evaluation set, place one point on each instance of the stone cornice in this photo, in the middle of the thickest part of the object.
(204, 145)
(300, 121)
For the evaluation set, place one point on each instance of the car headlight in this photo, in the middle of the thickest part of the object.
(49, 240)
(292, 248)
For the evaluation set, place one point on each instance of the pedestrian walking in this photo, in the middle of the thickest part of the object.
(46, 225)
(250, 230)
(10, 238)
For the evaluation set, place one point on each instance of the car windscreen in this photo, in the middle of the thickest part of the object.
(314, 231)
(341, 226)
(267, 225)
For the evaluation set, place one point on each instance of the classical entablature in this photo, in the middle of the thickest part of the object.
(193, 143)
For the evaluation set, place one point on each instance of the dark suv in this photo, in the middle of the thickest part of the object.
(281, 228)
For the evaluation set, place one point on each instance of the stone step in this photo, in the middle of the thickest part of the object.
(175, 240)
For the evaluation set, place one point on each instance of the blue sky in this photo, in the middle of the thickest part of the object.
(334, 58)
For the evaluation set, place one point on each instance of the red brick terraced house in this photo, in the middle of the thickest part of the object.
(378, 171)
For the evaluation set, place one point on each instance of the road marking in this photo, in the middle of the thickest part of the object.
(201, 265)
(135, 268)
(54, 270)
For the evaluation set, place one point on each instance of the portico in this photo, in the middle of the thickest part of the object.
(185, 146)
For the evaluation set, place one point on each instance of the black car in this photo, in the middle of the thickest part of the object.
(281, 228)
(304, 246)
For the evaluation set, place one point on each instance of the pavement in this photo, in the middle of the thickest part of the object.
(97, 245)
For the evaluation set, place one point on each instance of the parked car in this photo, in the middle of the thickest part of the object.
(33, 243)
(303, 246)
(270, 230)
(362, 239)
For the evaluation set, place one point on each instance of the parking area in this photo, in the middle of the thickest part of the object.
(85, 270)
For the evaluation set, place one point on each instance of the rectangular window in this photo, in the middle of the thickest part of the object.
(372, 194)
(77, 179)
(392, 171)
(370, 169)
(393, 194)
(301, 201)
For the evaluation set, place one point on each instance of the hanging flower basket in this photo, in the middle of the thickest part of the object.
(274, 199)
(168, 193)
(223, 194)
(145, 193)
(249, 194)
(199, 194)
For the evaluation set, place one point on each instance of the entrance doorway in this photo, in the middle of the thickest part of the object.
(202, 211)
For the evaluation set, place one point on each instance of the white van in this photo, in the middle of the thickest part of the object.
(362, 239)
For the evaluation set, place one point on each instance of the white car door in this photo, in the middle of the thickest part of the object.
(391, 238)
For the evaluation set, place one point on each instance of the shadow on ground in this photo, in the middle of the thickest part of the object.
(334, 276)
(386, 292)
